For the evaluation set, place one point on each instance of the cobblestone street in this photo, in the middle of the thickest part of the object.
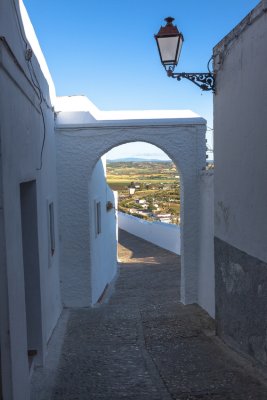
(141, 343)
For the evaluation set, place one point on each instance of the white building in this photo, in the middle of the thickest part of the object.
(140, 201)
(164, 218)
(240, 148)
(132, 190)
(30, 301)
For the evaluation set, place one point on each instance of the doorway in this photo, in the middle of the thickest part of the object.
(29, 228)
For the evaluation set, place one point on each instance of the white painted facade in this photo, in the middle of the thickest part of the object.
(206, 278)
(240, 189)
(163, 235)
(82, 138)
(29, 283)
(103, 231)
(240, 141)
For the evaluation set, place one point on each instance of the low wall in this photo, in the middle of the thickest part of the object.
(163, 235)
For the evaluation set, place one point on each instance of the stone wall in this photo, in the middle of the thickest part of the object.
(241, 299)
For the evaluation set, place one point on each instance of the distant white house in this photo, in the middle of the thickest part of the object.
(164, 218)
(131, 190)
(145, 206)
(140, 201)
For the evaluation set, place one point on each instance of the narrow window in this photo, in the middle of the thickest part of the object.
(98, 217)
(51, 227)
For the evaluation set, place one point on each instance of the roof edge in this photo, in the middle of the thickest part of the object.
(250, 18)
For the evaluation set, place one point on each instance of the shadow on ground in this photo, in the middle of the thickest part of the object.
(136, 250)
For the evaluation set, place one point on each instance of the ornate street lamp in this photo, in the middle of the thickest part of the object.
(170, 41)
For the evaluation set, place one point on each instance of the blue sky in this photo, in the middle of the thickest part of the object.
(105, 49)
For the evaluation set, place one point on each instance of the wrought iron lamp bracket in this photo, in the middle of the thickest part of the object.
(204, 80)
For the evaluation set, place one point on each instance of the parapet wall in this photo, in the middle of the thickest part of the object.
(163, 235)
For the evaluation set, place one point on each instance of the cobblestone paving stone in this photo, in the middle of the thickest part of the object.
(143, 344)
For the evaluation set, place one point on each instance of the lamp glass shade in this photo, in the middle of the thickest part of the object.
(169, 41)
(169, 49)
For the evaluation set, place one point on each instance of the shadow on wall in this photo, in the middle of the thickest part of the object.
(102, 232)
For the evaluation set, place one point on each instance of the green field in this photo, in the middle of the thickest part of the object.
(157, 183)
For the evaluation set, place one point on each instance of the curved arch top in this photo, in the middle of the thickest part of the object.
(83, 135)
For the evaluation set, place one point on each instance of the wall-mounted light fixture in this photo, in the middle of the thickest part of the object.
(170, 41)
(109, 205)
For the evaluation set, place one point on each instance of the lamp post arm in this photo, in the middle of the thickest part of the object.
(204, 80)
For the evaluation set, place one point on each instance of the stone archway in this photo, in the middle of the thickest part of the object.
(80, 146)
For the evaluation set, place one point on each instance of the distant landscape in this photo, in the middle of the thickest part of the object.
(137, 159)
(147, 189)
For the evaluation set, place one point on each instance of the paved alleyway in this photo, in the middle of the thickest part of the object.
(143, 344)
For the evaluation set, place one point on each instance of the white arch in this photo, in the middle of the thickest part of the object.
(81, 141)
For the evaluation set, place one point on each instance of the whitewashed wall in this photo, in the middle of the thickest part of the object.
(240, 189)
(84, 134)
(240, 140)
(22, 133)
(163, 235)
(206, 279)
(103, 245)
